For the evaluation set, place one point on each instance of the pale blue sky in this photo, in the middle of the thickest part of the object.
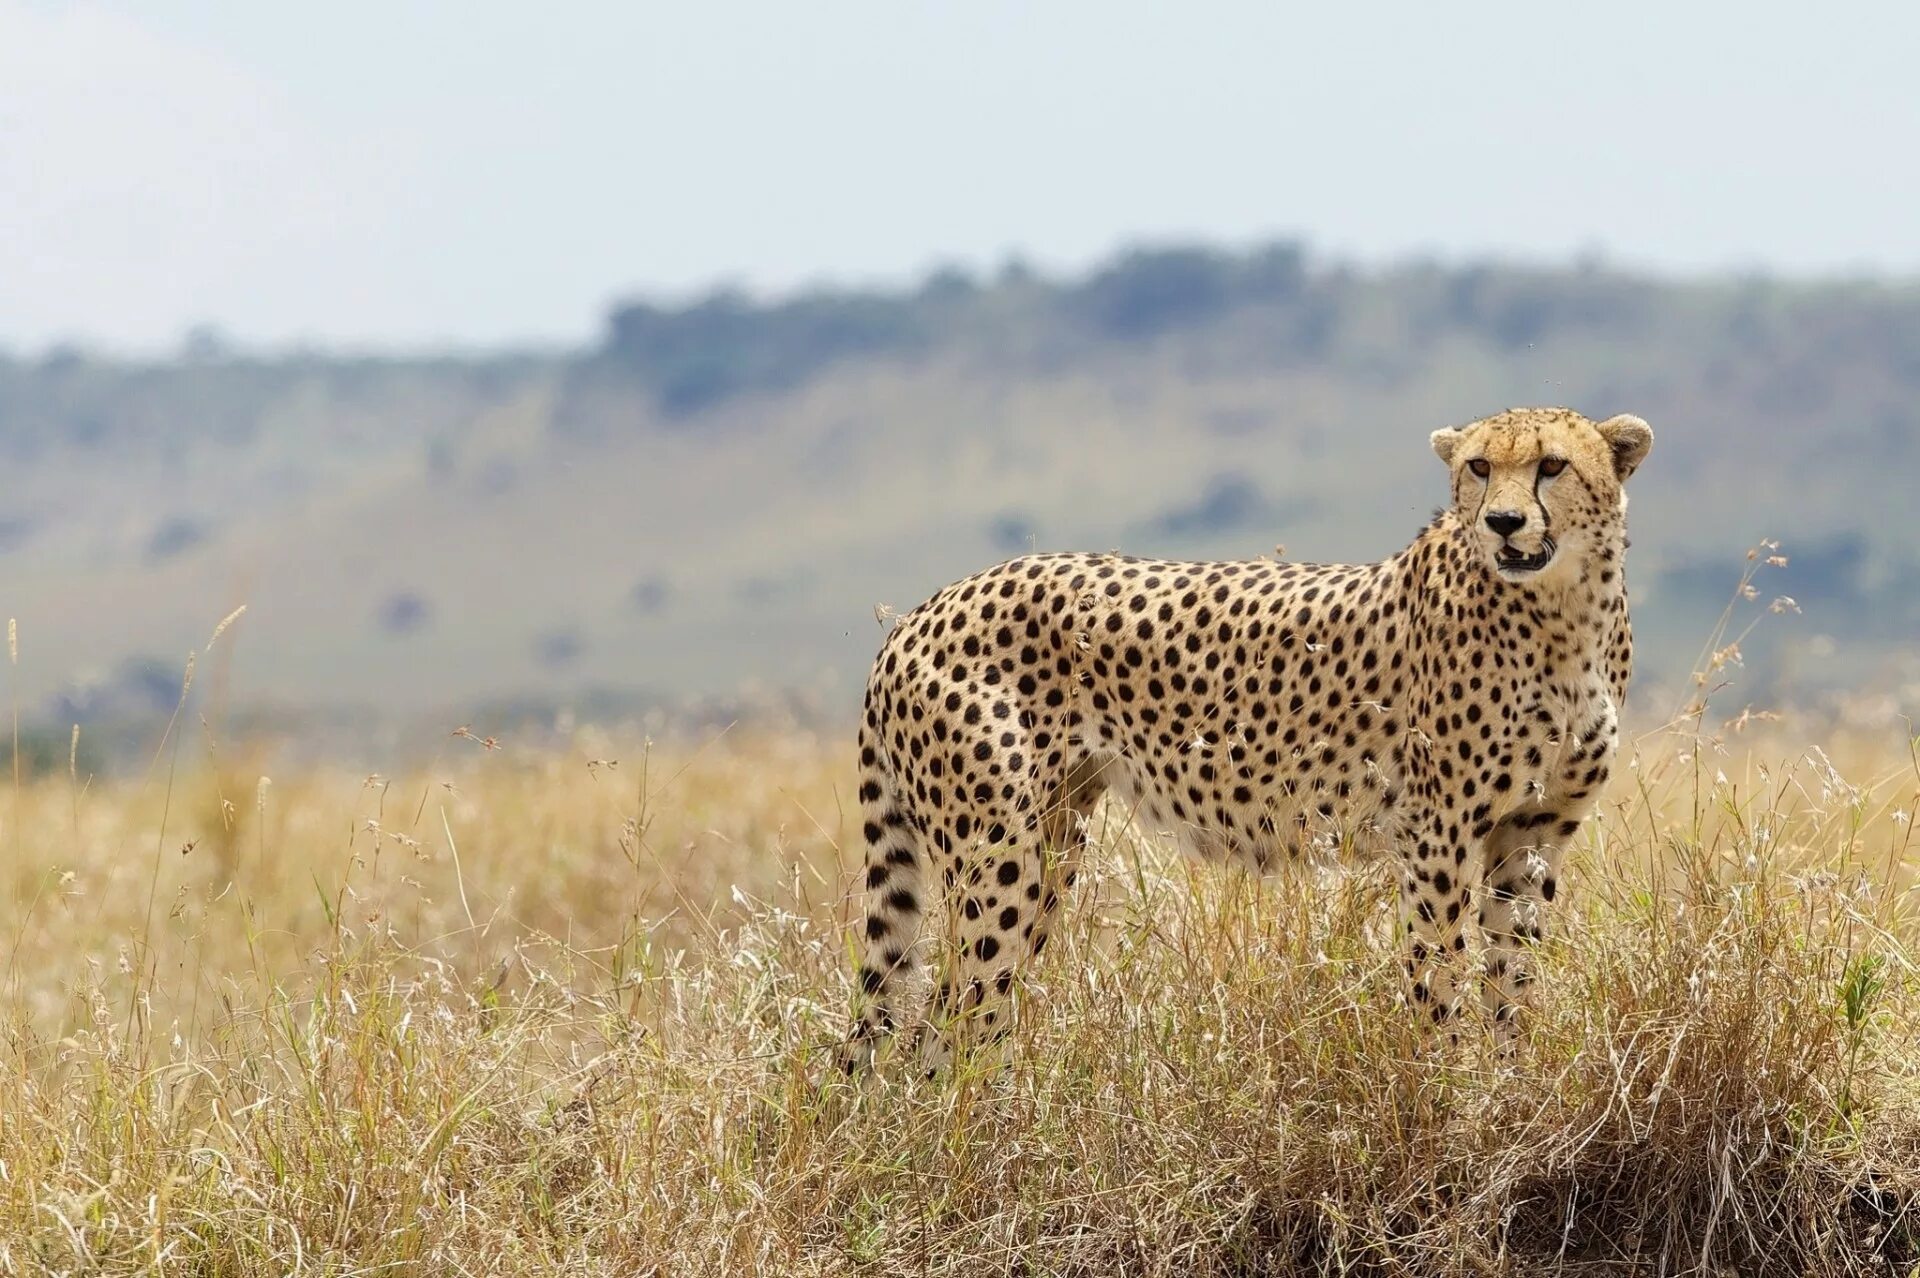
(374, 173)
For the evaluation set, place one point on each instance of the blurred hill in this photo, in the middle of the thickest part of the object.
(709, 505)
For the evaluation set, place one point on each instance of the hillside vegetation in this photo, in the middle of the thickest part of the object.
(710, 503)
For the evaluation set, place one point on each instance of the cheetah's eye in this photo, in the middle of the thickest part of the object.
(1480, 467)
(1551, 466)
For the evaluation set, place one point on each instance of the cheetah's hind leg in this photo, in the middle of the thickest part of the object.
(1002, 909)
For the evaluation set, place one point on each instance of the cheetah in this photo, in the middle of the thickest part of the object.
(1455, 705)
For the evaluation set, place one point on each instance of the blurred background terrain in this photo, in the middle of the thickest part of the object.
(547, 370)
(705, 506)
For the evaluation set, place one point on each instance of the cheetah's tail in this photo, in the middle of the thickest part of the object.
(895, 892)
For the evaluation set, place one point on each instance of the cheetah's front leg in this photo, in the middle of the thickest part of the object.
(1521, 874)
(1434, 899)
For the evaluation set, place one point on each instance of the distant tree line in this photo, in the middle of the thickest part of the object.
(1275, 304)
(692, 357)
(725, 344)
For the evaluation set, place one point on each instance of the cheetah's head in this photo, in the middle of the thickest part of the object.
(1541, 489)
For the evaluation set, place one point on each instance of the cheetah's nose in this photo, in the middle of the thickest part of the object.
(1506, 522)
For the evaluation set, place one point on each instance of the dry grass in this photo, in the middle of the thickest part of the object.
(532, 1013)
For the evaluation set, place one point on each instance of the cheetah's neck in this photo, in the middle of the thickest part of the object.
(1581, 606)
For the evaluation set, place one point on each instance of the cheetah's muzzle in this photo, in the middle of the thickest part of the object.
(1515, 560)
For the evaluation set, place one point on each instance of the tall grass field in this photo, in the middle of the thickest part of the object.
(573, 1010)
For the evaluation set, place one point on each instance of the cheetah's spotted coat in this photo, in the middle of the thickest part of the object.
(1456, 703)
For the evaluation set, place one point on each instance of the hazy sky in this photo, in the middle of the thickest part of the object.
(368, 173)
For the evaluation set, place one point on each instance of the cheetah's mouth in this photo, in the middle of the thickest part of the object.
(1516, 562)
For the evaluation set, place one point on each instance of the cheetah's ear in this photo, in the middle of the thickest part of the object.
(1444, 442)
(1629, 438)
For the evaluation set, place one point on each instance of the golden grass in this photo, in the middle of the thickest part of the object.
(535, 1013)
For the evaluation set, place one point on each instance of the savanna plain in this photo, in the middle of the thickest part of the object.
(573, 1009)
